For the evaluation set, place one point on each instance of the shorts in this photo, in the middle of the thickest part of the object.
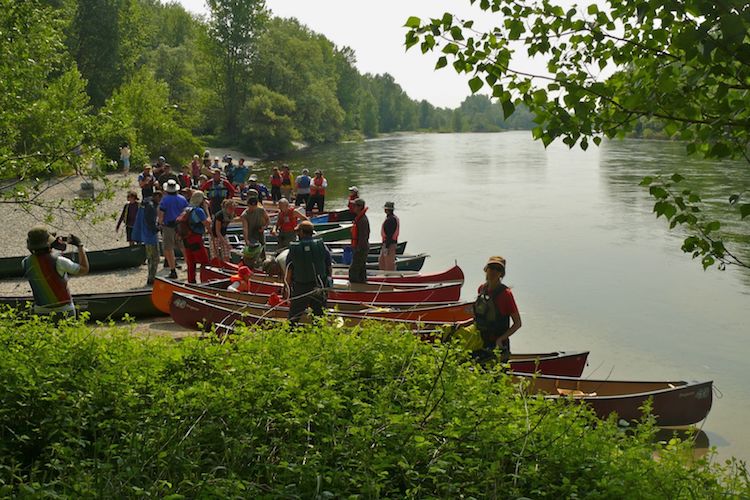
(169, 238)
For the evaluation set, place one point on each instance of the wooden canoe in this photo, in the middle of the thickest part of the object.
(191, 311)
(104, 306)
(391, 277)
(434, 292)
(675, 403)
(99, 260)
(403, 263)
(161, 295)
(459, 312)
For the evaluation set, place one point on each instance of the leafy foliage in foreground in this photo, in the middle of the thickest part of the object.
(314, 412)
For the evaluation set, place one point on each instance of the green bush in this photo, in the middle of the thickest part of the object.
(316, 412)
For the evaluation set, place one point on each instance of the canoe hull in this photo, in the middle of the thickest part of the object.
(99, 260)
(104, 306)
(674, 404)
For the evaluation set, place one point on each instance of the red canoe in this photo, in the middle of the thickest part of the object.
(459, 312)
(161, 296)
(392, 277)
(675, 403)
(191, 311)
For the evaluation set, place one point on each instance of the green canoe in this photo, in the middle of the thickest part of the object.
(99, 260)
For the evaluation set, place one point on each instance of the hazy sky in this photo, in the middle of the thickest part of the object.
(375, 31)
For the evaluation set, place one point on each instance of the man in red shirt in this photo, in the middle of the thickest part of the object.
(494, 310)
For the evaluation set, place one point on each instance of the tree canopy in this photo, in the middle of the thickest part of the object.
(609, 67)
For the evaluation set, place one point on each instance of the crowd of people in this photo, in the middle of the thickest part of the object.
(203, 199)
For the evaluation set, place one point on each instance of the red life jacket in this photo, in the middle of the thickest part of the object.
(286, 179)
(395, 234)
(47, 286)
(316, 188)
(287, 220)
(355, 228)
(276, 180)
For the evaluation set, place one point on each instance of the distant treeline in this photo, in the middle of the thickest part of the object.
(99, 73)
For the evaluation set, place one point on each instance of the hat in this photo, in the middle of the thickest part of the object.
(171, 186)
(161, 158)
(306, 227)
(195, 157)
(252, 194)
(389, 205)
(354, 188)
(39, 238)
(497, 260)
(197, 198)
(305, 171)
(216, 158)
(318, 172)
(254, 178)
(359, 202)
(216, 170)
(229, 158)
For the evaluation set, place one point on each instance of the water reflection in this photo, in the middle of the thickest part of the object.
(590, 266)
(624, 163)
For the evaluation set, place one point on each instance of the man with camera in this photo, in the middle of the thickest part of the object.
(48, 271)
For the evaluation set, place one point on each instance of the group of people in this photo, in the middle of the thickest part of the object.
(185, 207)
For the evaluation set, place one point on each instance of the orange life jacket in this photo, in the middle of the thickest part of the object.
(316, 188)
(287, 220)
(395, 234)
(355, 228)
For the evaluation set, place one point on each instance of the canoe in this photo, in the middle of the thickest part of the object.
(192, 311)
(235, 228)
(675, 403)
(104, 306)
(374, 246)
(374, 294)
(161, 295)
(391, 277)
(337, 256)
(403, 263)
(340, 215)
(99, 260)
(459, 312)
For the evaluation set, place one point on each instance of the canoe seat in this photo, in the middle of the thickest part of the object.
(574, 393)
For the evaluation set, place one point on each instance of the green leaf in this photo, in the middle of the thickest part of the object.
(475, 84)
(646, 181)
(441, 62)
(744, 210)
(712, 226)
(508, 108)
(676, 178)
(592, 9)
(413, 22)
(658, 192)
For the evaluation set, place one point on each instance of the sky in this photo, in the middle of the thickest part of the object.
(375, 31)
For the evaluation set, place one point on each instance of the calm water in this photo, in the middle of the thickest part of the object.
(590, 266)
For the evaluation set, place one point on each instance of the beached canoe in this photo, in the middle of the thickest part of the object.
(339, 215)
(675, 403)
(391, 277)
(196, 312)
(104, 306)
(99, 260)
(403, 263)
(161, 295)
(459, 312)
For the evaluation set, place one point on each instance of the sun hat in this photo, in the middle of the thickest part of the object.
(197, 198)
(39, 238)
(171, 186)
(318, 172)
(305, 171)
(252, 194)
(389, 205)
(253, 177)
(216, 170)
(354, 188)
(216, 158)
(496, 260)
(161, 158)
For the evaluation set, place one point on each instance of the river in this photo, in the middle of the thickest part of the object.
(590, 265)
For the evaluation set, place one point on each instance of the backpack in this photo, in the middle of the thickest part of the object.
(184, 228)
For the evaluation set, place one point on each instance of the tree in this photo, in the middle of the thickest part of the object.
(233, 31)
(45, 127)
(683, 62)
(267, 121)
